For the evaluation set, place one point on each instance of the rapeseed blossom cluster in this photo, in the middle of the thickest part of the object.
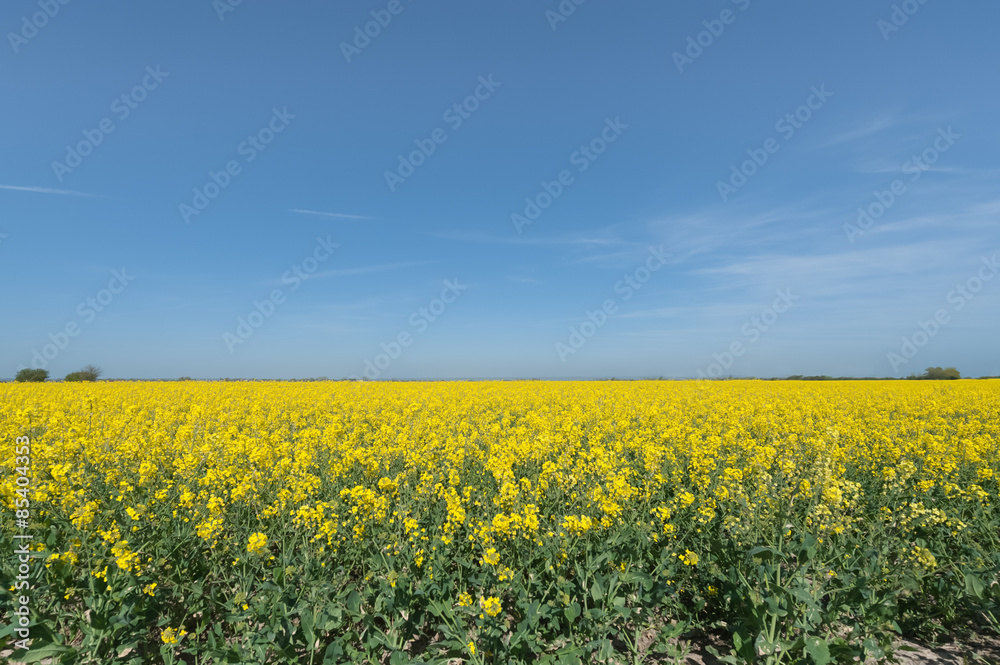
(476, 488)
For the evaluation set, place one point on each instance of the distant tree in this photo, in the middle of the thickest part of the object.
(185, 378)
(88, 373)
(32, 375)
(938, 374)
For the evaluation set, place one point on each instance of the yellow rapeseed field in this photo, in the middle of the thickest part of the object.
(500, 521)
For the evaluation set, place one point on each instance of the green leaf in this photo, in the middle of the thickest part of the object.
(531, 614)
(354, 602)
(974, 586)
(728, 658)
(818, 650)
(763, 645)
(596, 592)
(47, 651)
(773, 607)
(804, 596)
(570, 655)
(331, 619)
(306, 621)
(572, 611)
(333, 654)
(873, 649)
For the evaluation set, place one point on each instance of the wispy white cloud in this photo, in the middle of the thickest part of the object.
(365, 270)
(971, 219)
(333, 215)
(988, 208)
(360, 270)
(871, 127)
(613, 258)
(834, 267)
(522, 274)
(604, 236)
(49, 190)
(725, 229)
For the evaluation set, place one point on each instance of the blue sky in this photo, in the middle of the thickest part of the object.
(646, 255)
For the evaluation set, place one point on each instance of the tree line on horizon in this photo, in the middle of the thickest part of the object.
(88, 373)
(92, 373)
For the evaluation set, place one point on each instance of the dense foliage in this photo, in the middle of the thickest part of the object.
(88, 373)
(27, 375)
(502, 521)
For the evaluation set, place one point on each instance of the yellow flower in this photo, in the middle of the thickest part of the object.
(149, 589)
(490, 605)
(210, 529)
(472, 648)
(257, 543)
(172, 635)
(923, 558)
(689, 558)
(403, 468)
(112, 535)
(125, 558)
(215, 505)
